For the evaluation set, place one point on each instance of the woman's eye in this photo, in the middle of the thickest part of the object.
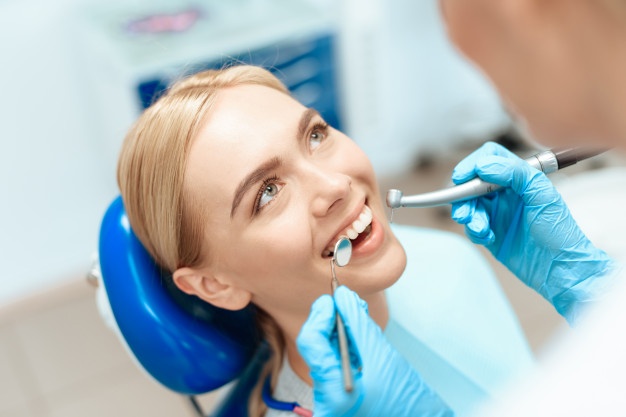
(318, 135)
(268, 192)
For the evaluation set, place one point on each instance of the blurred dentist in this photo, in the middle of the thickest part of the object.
(559, 65)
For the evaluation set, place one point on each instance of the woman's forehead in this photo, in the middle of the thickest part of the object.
(249, 116)
(246, 125)
(252, 105)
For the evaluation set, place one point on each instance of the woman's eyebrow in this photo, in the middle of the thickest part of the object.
(305, 120)
(252, 178)
(271, 165)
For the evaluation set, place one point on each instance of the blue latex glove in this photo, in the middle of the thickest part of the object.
(528, 228)
(386, 385)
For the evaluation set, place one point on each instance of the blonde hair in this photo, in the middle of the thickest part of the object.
(166, 218)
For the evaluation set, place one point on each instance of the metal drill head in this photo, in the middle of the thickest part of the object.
(394, 198)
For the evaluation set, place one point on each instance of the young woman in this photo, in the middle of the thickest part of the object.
(241, 192)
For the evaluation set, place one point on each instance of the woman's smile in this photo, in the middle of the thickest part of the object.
(364, 231)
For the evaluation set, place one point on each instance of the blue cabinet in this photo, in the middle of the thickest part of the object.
(306, 66)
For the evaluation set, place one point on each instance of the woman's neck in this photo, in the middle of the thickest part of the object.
(378, 311)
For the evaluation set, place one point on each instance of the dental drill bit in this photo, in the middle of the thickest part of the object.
(341, 257)
(547, 161)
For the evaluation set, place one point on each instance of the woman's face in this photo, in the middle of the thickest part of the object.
(281, 187)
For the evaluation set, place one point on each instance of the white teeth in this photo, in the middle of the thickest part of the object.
(357, 227)
(364, 220)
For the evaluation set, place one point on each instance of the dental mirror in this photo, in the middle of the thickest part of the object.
(343, 252)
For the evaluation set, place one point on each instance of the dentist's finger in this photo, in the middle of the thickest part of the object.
(478, 229)
(467, 168)
(463, 212)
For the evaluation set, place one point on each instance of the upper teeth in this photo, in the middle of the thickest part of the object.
(357, 226)
(364, 220)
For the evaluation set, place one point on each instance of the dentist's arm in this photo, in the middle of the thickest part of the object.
(528, 228)
(386, 385)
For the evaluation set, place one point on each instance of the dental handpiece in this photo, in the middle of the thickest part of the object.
(547, 161)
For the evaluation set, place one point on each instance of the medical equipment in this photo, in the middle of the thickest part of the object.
(548, 161)
(341, 257)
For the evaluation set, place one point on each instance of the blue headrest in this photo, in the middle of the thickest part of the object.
(187, 345)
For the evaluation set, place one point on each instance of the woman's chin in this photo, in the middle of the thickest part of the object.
(381, 274)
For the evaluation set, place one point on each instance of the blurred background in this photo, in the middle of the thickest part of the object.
(78, 72)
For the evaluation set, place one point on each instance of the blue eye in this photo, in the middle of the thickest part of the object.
(268, 194)
(318, 135)
(268, 191)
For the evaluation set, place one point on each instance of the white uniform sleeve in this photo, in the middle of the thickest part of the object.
(582, 373)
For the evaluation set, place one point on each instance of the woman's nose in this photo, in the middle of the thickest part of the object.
(330, 190)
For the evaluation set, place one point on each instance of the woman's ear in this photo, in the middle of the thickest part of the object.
(211, 289)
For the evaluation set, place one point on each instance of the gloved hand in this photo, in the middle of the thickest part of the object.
(385, 386)
(528, 228)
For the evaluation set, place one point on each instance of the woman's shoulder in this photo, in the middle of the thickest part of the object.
(444, 272)
(439, 259)
(415, 238)
(449, 298)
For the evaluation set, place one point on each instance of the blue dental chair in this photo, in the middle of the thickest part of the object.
(185, 344)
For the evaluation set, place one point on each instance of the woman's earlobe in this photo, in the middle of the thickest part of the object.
(211, 289)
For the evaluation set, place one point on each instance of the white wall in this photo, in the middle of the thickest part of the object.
(53, 186)
(408, 91)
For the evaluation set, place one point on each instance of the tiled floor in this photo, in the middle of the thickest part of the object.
(57, 358)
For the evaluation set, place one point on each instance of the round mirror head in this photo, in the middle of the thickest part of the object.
(343, 251)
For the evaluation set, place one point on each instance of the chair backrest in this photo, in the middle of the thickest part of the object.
(187, 345)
